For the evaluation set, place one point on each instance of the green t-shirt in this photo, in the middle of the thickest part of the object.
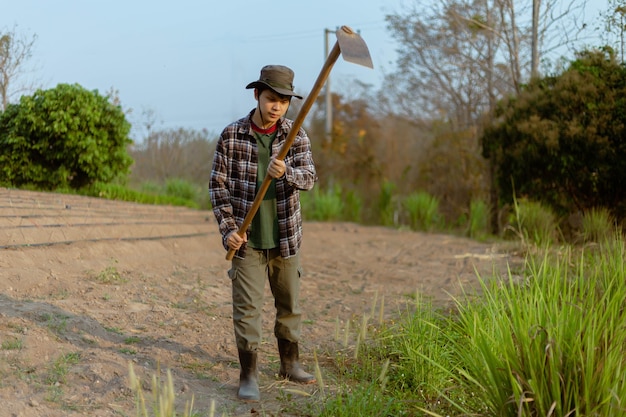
(264, 227)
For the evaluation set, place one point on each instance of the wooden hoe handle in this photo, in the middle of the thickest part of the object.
(297, 123)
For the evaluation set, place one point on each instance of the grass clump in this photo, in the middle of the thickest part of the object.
(333, 204)
(534, 223)
(56, 376)
(163, 402)
(110, 275)
(174, 193)
(550, 344)
(598, 226)
(12, 344)
(386, 204)
(423, 211)
(478, 227)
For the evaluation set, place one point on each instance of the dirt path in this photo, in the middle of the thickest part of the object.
(88, 286)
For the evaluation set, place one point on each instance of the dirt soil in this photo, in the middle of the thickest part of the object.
(89, 286)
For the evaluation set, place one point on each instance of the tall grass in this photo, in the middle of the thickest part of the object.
(183, 189)
(598, 226)
(174, 196)
(333, 204)
(163, 401)
(423, 211)
(534, 223)
(323, 205)
(554, 346)
(550, 344)
(386, 204)
(478, 219)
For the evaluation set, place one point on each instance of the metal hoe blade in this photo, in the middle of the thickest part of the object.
(353, 47)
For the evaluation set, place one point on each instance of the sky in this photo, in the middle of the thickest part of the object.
(188, 61)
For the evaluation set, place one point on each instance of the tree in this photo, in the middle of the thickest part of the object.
(615, 25)
(63, 137)
(562, 141)
(459, 57)
(15, 51)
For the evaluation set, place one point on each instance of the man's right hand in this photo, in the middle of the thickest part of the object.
(235, 241)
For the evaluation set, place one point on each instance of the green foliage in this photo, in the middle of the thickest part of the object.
(553, 345)
(63, 137)
(180, 188)
(150, 187)
(598, 226)
(362, 400)
(614, 27)
(563, 139)
(550, 344)
(331, 205)
(325, 206)
(352, 206)
(12, 344)
(478, 223)
(386, 206)
(120, 192)
(60, 368)
(416, 344)
(423, 211)
(534, 223)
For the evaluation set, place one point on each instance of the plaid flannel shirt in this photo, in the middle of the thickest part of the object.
(232, 186)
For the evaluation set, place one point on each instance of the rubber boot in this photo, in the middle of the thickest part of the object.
(248, 377)
(290, 363)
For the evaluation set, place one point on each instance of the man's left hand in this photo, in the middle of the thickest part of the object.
(276, 168)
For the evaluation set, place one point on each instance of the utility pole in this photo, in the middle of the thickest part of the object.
(329, 102)
(534, 71)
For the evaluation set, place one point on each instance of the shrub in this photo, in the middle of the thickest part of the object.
(554, 344)
(534, 223)
(176, 187)
(386, 208)
(561, 139)
(324, 206)
(598, 225)
(423, 211)
(478, 219)
(63, 137)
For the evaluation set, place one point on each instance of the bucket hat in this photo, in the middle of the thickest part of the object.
(278, 78)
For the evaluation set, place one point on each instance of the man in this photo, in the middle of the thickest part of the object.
(269, 250)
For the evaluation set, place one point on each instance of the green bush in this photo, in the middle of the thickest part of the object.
(63, 137)
(534, 223)
(561, 140)
(150, 187)
(176, 187)
(123, 193)
(554, 344)
(322, 206)
(478, 224)
(598, 225)
(331, 205)
(386, 206)
(423, 211)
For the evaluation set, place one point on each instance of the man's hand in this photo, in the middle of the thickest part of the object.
(235, 241)
(276, 168)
